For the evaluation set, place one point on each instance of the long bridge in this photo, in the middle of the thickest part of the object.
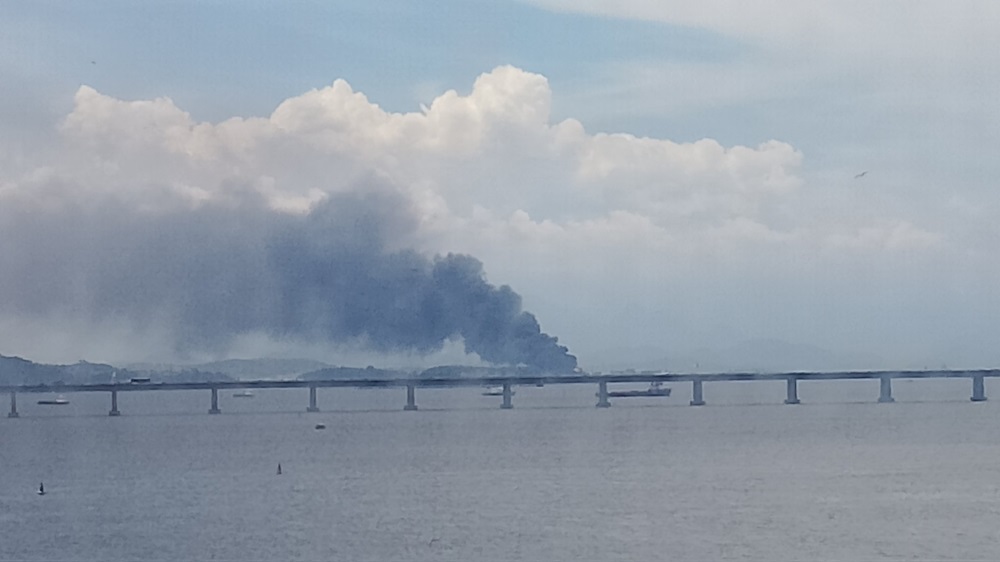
(697, 380)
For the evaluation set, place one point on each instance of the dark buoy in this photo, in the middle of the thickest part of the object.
(279, 468)
(41, 489)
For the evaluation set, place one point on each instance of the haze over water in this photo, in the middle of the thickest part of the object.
(839, 477)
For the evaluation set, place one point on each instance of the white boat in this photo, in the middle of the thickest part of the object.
(496, 391)
(243, 394)
(58, 401)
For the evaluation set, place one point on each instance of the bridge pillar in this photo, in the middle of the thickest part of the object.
(792, 393)
(312, 400)
(411, 399)
(885, 389)
(506, 397)
(978, 389)
(114, 404)
(215, 402)
(697, 399)
(13, 405)
(602, 395)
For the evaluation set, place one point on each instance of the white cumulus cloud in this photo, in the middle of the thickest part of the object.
(546, 205)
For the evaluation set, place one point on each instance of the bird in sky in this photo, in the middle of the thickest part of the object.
(861, 175)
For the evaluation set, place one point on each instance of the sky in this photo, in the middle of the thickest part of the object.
(661, 184)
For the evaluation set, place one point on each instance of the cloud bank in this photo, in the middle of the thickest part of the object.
(335, 220)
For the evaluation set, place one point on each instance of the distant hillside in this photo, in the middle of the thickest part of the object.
(352, 373)
(184, 375)
(16, 371)
(266, 368)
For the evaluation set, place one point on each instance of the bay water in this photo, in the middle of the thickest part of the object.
(838, 477)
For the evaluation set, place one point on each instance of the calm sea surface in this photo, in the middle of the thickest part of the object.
(839, 477)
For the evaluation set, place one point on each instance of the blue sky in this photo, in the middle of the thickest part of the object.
(216, 59)
(720, 207)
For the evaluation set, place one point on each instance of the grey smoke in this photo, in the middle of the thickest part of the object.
(341, 273)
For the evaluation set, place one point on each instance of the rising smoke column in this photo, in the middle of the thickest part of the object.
(339, 273)
(335, 272)
(490, 319)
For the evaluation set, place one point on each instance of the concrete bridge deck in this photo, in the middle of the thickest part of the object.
(697, 380)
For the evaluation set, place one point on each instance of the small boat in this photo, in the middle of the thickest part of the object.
(58, 401)
(243, 394)
(41, 489)
(321, 426)
(496, 391)
(279, 469)
(139, 380)
(655, 389)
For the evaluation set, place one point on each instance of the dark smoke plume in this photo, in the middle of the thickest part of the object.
(340, 273)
